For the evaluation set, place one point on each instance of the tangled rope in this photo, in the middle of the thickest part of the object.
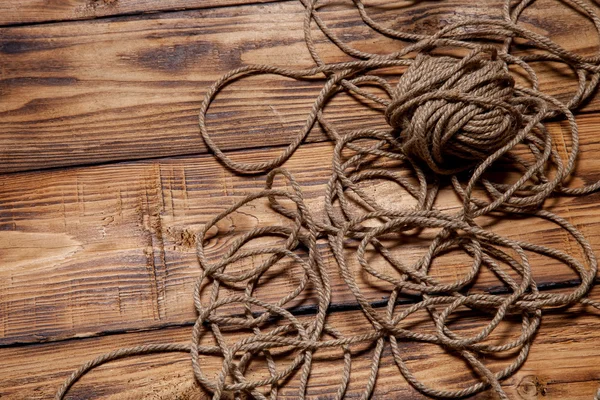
(454, 120)
(453, 114)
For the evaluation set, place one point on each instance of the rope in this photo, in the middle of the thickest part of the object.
(454, 123)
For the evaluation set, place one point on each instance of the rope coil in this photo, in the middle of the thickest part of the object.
(453, 114)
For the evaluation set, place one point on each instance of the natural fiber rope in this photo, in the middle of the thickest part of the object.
(452, 121)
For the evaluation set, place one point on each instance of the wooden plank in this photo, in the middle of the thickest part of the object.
(564, 362)
(37, 11)
(112, 248)
(129, 88)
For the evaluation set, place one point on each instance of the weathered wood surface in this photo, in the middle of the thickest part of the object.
(96, 258)
(36, 11)
(129, 88)
(110, 248)
(563, 364)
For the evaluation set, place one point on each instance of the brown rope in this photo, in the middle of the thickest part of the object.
(453, 120)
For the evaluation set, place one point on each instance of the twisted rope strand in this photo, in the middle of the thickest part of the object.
(454, 122)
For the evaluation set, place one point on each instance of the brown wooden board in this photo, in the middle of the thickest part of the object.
(129, 88)
(564, 363)
(39, 11)
(112, 248)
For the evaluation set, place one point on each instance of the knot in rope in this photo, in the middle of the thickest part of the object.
(452, 113)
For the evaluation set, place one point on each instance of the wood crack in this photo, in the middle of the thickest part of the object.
(151, 211)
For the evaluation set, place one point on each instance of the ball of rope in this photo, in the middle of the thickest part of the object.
(453, 113)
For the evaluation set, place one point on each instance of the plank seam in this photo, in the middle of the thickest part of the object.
(296, 311)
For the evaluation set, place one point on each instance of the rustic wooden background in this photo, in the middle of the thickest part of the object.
(104, 180)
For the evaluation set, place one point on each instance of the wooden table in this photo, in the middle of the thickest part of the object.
(105, 181)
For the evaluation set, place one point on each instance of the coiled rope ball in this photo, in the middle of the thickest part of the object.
(453, 113)
(451, 119)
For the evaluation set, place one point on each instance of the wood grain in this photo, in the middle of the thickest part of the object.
(564, 363)
(39, 11)
(129, 88)
(94, 258)
(112, 248)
